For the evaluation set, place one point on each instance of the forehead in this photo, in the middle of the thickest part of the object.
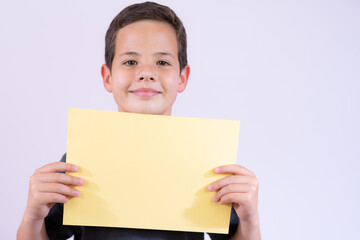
(146, 36)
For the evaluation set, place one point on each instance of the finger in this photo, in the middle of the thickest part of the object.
(48, 198)
(60, 178)
(57, 167)
(233, 179)
(58, 188)
(239, 198)
(233, 188)
(234, 169)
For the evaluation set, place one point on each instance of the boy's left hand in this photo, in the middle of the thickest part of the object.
(240, 189)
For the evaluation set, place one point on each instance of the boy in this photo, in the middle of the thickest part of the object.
(146, 66)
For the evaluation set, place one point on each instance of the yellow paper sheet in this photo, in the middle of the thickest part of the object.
(148, 171)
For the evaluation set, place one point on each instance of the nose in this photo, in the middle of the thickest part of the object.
(147, 73)
(146, 76)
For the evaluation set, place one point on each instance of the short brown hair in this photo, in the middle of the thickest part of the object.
(145, 11)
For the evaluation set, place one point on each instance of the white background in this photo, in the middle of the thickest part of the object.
(288, 70)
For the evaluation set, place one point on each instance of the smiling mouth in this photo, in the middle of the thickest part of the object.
(145, 92)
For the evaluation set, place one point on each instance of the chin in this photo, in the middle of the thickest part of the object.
(146, 110)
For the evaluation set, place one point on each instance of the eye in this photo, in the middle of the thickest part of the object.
(163, 63)
(130, 63)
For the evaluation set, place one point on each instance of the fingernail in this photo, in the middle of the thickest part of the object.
(217, 170)
(77, 193)
(74, 168)
(214, 198)
(210, 187)
(80, 181)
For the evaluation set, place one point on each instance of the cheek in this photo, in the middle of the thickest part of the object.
(121, 82)
(171, 82)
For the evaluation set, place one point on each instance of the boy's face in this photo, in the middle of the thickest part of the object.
(145, 75)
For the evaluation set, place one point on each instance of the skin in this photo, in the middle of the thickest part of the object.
(241, 190)
(46, 187)
(145, 78)
(145, 57)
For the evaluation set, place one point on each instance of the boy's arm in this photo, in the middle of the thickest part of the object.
(247, 231)
(32, 230)
(47, 186)
(241, 190)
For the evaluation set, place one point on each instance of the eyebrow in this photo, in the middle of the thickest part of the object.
(165, 54)
(158, 53)
(130, 53)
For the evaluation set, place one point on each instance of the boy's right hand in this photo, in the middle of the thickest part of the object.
(48, 186)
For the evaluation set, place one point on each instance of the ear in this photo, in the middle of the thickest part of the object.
(184, 76)
(106, 76)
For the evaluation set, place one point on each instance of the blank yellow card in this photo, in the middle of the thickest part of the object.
(148, 171)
